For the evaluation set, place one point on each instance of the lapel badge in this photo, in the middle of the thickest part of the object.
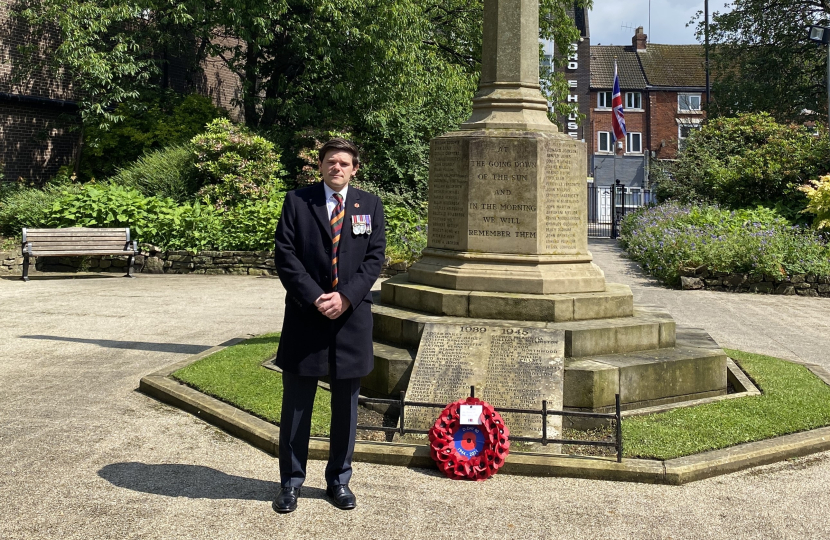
(356, 205)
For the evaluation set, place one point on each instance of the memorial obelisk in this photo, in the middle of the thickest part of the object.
(507, 192)
(506, 297)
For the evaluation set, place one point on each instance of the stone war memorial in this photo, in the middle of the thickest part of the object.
(506, 297)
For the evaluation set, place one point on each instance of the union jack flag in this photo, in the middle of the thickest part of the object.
(618, 117)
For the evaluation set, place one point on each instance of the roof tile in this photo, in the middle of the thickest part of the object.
(673, 65)
(628, 67)
(658, 65)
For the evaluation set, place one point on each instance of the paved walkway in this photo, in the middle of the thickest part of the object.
(792, 327)
(83, 455)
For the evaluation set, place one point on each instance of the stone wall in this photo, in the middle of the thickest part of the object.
(153, 260)
(800, 284)
(11, 262)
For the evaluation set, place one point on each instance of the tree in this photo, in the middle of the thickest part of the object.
(392, 73)
(747, 161)
(762, 59)
(108, 50)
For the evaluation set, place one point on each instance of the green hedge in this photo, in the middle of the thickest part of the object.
(748, 161)
(191, 226)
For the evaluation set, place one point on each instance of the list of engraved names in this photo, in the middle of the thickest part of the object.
(564, 201)
(510, 367)
(447, 193)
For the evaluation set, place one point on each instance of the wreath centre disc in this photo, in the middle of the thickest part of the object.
(469, 441)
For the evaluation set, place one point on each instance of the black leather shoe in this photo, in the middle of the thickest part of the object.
(342, 497)
(286, 500)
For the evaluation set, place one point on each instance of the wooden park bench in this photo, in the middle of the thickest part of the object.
(77, 242)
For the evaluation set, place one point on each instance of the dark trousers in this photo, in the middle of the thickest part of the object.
(295, 428)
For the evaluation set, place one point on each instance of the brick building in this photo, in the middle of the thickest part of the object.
(576, 66)
(663, 89)
(38, 112)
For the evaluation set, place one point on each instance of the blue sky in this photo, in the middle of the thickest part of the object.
(668, 20)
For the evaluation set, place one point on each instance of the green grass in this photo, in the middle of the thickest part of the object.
(793, 400)
(235, 375)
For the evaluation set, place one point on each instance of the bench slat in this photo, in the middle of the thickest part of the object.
(109, 230)
(75, 253)
(38, 244)
(73, 232)
(121, 238)
(79, 249)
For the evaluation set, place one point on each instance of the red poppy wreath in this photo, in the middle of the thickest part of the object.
(471, 452)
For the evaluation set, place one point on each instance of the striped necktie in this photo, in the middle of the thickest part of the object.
(337, 216)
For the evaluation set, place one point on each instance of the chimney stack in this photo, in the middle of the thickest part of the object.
(639, 39)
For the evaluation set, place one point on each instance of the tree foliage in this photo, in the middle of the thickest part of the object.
(818, 193)
(393, 73)
(762, 59)
(748, 161)
(155, 120)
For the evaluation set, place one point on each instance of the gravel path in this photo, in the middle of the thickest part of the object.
(83, 455)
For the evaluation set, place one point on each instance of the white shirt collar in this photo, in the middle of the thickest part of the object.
(330, 192)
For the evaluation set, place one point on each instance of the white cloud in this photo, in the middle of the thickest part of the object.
(668, 20)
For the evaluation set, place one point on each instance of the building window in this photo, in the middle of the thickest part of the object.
(634, 143)
(604, 140)
(688, 102)
(604, 100)
(683, 133)
(633, 100)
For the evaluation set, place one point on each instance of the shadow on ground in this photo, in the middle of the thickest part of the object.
(136, 345)
(193, 482)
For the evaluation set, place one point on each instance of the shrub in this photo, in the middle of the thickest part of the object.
(235, 165)
(748, 161)
(169, 172)
(191, 226)
(406, 227)
(668, 237)
(150, 123)
(27, 207)
(251, 225)
(819, 196)
(108, 205)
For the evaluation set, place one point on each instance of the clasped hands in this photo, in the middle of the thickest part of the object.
(332, 304)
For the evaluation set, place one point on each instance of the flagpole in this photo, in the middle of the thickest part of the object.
(618, 126)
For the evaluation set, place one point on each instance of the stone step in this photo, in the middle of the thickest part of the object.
(616, 301)
(648, 328)
(695, 368)
(390, 377)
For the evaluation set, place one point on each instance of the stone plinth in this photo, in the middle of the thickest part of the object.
(508, 214)
(615, 301)
(509, 367)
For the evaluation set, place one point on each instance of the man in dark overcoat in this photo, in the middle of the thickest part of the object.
(329, 250)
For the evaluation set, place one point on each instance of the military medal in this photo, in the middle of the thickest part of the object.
(362, 224)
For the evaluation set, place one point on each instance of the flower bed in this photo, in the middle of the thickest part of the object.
(735, 250)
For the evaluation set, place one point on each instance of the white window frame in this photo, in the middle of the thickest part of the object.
(634, 100)
(629, 138)
(609, 143)
(688, 100)
(681, 140)
(608, 97)
(690, 127)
